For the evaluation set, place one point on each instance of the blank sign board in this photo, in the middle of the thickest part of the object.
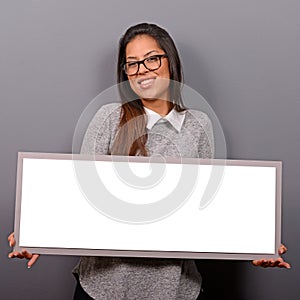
(136, 206)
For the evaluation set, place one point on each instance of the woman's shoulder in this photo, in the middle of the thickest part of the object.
(110, 110)
(198, 115)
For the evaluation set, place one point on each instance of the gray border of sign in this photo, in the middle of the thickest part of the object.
(157, 254)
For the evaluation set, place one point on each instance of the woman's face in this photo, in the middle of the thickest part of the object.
(148, 85)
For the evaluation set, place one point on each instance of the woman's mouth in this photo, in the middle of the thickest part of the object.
(146, 83)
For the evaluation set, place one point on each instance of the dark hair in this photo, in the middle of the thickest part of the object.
(132, 135)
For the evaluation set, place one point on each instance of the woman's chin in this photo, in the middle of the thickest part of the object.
(153, 94)
(148, 95)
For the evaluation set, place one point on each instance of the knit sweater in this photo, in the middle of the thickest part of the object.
(109, 278)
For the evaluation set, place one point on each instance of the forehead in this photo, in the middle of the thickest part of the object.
(141, 45)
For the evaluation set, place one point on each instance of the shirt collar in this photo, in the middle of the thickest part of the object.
(174, 117)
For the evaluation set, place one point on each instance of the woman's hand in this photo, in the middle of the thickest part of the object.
(32, 258)
(279, 262)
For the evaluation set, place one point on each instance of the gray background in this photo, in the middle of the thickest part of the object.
(242, 56)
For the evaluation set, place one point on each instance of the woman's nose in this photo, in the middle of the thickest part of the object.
(142, 69)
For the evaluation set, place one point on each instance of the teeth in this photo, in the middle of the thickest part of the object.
(146, 81)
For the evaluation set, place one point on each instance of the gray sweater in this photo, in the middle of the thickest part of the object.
(109, 278)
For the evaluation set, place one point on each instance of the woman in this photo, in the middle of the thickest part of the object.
(150, 121)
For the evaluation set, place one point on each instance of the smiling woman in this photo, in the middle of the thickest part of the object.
(150, 121)
(149, 69)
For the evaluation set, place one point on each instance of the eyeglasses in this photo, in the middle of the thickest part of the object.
(151, 63)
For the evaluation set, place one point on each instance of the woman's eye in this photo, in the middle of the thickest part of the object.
(152, 59)
(132, 64)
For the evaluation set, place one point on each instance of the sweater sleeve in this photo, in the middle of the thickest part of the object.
(206, 146)
(201, 127)
(101, 131)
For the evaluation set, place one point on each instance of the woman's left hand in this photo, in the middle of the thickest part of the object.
(279, 262)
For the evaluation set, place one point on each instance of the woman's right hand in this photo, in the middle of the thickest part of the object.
(32, 258)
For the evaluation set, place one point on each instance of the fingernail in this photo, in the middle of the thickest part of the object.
(28, 267)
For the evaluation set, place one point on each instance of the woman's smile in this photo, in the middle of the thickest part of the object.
(146, 83)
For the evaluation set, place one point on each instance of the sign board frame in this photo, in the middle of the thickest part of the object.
(21, 210)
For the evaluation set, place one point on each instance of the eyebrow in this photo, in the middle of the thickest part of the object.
(148, 53)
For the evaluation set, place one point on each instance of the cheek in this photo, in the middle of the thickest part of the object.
(133, 85)
(165, 71)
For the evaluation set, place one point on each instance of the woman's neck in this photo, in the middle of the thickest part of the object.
(161, 107)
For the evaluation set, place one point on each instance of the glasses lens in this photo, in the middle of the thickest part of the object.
(131, 68)
(152, 62)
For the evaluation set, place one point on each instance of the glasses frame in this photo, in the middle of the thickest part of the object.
(139, 62)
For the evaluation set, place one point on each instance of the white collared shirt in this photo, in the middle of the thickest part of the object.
(174, 117)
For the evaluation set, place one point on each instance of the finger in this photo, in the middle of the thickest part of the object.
(11, 240)
(285, 265)
(259, 262)
(282, 249)
(277, 262)
(255, 262)
(15, 254)
(11, 236)
(265, 264)
(26, 254)
(272, 262)
(32, 261)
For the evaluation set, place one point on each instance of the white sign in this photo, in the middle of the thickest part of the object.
(133, 206)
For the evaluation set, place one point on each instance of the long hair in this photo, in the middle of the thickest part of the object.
(132, 136)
